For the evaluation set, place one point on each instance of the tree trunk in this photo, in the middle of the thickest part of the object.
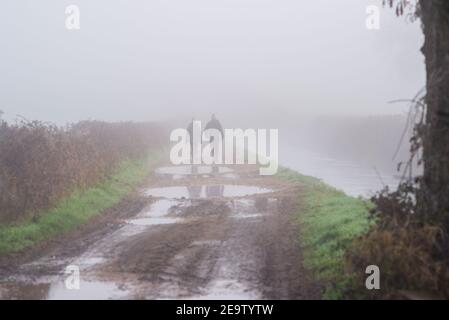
(435, 183)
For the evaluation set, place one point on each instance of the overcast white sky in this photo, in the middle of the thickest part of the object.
(155, 59)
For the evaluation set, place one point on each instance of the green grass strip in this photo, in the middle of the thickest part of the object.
(329, 221)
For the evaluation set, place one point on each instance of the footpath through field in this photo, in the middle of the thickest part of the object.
(191, 233)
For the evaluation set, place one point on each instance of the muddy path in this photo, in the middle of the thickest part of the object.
(190, 233)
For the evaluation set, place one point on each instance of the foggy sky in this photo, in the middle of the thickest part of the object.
(157, 59)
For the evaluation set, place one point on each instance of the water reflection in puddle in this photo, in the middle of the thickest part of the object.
(153, 221)
(247, 215)
(189, 170)
(209, 191)
(88, 290)
(57, 290)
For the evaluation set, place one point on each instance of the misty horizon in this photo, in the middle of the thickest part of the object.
(154, 60)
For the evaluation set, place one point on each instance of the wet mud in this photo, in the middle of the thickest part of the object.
(198, 233)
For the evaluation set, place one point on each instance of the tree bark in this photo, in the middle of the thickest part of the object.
(435, 183)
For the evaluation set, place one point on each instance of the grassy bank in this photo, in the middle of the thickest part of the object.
(329, 221)
(78, 208)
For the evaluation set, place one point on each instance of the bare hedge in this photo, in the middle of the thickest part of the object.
(41, 163)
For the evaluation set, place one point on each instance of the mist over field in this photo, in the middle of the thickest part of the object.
(261, 60)
(256, 64)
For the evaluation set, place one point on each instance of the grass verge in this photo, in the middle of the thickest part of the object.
(78, 208)
(329, 221)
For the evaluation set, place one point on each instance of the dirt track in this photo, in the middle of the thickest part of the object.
(206, 235)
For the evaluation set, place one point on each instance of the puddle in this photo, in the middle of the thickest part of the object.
(227, 283)
(226, 289)
(158, 208)
(52, 285)
(153, 221)
(247, 215)
(192, 170)
(156, 214)
(88, 290)
(209, 191)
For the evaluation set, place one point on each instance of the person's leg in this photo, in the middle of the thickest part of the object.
(192, 165)
(214, 165)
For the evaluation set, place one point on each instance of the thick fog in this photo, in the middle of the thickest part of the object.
(242, 59)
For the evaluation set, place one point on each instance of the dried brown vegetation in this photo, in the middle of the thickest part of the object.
(410, 252)
(41, 163)
(408, 244)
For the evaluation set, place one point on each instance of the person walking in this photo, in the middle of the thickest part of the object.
(214, 123)
(190, 131)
